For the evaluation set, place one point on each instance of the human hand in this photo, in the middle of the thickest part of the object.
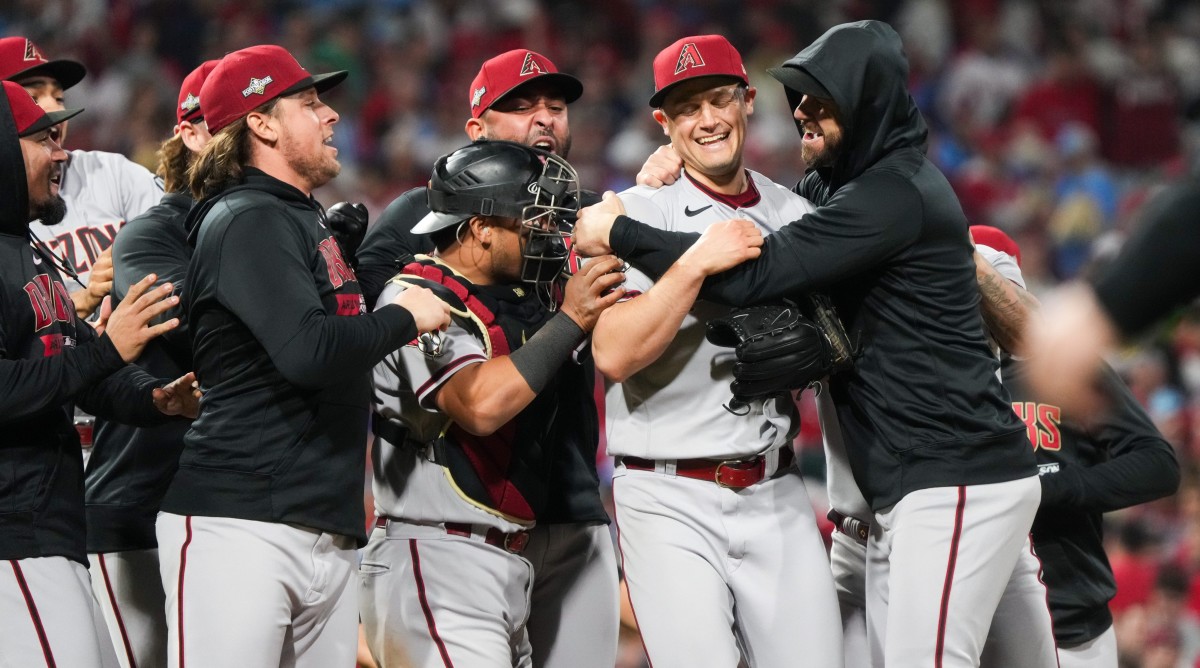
(662, 168)
(429, 313)
(101, 279)
(179, 397)
(724, 245)
(129, 326)
(594, 223)
(595, 287)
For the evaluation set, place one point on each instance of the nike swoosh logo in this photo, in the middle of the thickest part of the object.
(687, 211)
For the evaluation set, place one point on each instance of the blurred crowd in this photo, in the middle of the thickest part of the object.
(1054, 120)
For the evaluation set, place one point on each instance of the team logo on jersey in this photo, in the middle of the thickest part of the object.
(477, 96)
(1041, 424)
(49, 300)
(190, 103)
(335, 264)
(257, 86)
(689, 56)
(531, 66)
(31, 52)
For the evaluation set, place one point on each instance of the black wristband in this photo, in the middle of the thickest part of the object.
(540, 358)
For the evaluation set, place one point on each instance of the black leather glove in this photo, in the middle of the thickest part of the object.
(348, 223)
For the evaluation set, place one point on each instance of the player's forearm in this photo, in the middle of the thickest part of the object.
(1006, 307)
(1147, 474)
(85, 302)
(484, 397)
(633, 334)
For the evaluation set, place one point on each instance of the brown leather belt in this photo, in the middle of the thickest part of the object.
(513, 543)
(733, 473)
(851, 526)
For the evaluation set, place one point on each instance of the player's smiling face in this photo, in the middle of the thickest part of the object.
(44, 160)
(822, 138)
(706, 121)
(305, 137)
(534, 114)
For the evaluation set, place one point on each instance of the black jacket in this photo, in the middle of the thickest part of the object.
(130, 467)
(282, 345)
(574, 494)
(48, 359)
(922, 407)
(1119, 462)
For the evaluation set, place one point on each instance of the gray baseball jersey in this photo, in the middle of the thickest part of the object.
(407, 484)
(102, 192)
(680, 384)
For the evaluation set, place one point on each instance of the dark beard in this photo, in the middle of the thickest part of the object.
(826, 156)
(50, 212)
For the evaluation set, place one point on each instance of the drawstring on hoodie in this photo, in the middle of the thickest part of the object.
(43, 250)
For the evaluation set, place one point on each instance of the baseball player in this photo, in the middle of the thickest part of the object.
(933, 443)
(102, 190)
(1117, 461)
(521, 96)
(130, 467)
(50, 358)
(468, 429)
(259, 525)
(719, 545)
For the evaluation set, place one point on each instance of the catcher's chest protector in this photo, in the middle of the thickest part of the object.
(506, 472)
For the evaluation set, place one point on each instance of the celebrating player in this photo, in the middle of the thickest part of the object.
(48, 359)
(264, 509)
(934, 444)
(469, 426)
(130, 467)
(521, 96)
(694, 604)
(102, 190)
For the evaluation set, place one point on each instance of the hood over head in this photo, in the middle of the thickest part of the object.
(862, 67)
(14, 196)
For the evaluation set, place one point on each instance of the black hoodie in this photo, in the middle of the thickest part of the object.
(283, 347)
(922, 407)
(48, 358)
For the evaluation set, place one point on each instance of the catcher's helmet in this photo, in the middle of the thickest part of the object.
(511, 180)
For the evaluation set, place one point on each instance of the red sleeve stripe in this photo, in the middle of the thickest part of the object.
(443, 374)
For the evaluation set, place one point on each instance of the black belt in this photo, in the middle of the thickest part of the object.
(851, 526)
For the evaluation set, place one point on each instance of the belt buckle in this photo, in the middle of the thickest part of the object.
(718, 477)
(515, 542)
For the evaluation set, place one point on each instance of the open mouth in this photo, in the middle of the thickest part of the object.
(545, 144)
(705, 141)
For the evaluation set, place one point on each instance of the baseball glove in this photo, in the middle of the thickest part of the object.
(779, 348)
(348, 223)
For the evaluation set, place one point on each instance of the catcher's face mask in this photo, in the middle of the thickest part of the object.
(556, 194)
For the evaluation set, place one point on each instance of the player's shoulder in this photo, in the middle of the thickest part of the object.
(104, 162)
(777, 193)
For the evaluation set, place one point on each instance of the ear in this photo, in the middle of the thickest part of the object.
(481, 229)
(750, 93)
(661, 118)
(263, 126)
(475, 128)
(190, 136)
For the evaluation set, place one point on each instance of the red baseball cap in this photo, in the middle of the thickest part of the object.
(692, 57)
(244, 80)
(29, 117)
(20, 58)
(503, 74)
(995, 238)
(189, 93)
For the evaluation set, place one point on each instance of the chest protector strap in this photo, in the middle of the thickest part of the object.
(463, 298)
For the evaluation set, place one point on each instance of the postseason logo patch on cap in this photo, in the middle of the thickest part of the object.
(190, 103)
(257, 86)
